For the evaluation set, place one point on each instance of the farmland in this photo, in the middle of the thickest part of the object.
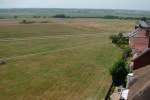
(63, 59)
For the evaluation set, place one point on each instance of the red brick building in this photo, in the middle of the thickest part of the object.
(138, 81)
(142, 59)
(139, 43)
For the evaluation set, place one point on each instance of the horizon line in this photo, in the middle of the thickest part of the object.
(73, 8)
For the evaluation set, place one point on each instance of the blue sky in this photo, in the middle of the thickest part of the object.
(104, 4)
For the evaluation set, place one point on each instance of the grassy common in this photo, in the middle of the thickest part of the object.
(72, 68)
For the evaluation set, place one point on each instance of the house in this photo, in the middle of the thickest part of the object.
(138, 81)
(142, 59)
(139, 42)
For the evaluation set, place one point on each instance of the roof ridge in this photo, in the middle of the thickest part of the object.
(134, 33)
(141, 54)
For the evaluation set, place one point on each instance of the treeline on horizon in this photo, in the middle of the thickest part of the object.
(102, 17)
(77, 13)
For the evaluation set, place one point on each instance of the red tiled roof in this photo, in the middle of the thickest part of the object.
(139, 42)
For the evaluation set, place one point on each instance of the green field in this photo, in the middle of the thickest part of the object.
(74, 67)
(75, 13)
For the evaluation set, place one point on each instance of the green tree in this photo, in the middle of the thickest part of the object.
(119, 73)
(24, 21)
(60, 16)
(114, 38)
(15, 17)
(126, 53)
(120, 34)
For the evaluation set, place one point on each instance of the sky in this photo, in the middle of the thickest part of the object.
(95, 4)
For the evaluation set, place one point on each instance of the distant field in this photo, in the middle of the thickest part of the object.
(73, 67)
(93, 14)
(47, 13)
(13, 28)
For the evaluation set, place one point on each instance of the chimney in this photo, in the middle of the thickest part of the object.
(149, 41)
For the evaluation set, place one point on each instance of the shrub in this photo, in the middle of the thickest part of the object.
(15, 17)
(27, 22)
(119, 72)
(119, 40)
(60, 16)
(114, 38)
(24, 21)
(2, 17)
(126, 53)
(36, 16)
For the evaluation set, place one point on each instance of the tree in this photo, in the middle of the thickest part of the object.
(120, 34)
(15, 17)
(126, 53)
(119, 40)
(24, 21)
(60, 16)
(114, 38)
(119, 73)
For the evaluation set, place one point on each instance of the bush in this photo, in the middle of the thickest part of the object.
(110, 17)
(27, 22)
(126, 53)
(60, 16)
(36, 16)
(24, 21)
(119, 40)
(119, 73)
(114, 38)
(2, 18)
(120, 34)
(15, 17)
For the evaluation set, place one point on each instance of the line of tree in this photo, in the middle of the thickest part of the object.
(120, 70)
(111, 17)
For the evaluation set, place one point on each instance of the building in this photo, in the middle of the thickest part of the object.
(139, 41)
(143, 59)
(139, 86)
(138, 81)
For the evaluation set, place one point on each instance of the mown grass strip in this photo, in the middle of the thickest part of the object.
(39, 53)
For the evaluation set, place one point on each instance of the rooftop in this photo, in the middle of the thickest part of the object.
(139, 41)
(143, 23)
(140, 88)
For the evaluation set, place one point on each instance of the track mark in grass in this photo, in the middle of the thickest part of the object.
(54, 37)
(57, 50)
